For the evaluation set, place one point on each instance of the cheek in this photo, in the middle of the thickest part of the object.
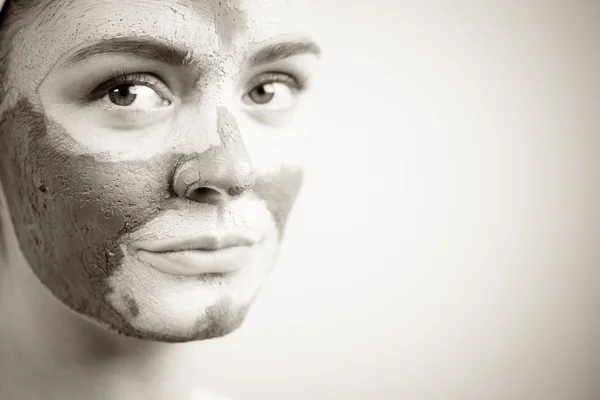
(109, 198)
(280, 191)
(70, 211)
(278, 165)
(98, 201)
(280, 175)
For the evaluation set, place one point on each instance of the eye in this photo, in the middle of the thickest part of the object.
(263, 94)
(272, 92)
(137, 92)
(135, 96)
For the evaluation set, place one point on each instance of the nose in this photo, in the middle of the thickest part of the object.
(219, 174)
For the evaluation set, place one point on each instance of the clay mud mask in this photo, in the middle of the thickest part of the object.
(152, 167)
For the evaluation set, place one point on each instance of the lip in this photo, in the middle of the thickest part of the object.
(208, 253)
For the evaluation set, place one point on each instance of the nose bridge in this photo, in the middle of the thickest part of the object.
(231, 162)
(227, 128)
(225, 169)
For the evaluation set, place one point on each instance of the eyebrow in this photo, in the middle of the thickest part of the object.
(142, 47)
(283, 50)
(154, 49)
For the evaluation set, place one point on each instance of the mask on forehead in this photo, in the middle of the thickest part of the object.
(171, 247)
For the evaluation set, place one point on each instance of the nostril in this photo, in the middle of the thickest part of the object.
(205, 191)
(206, 195)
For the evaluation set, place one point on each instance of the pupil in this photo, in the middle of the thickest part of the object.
(124, 91)
(262, 94)
(122, 96)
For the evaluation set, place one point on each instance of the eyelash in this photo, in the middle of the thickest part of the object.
(120, 77)
(270, 77)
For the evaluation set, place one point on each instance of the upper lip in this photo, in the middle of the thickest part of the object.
(205, 241)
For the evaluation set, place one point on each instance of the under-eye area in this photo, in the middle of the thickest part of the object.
(133, 86)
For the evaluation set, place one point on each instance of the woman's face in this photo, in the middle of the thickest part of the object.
(149, 155)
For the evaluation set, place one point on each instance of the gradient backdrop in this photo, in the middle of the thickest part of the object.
(446, 243)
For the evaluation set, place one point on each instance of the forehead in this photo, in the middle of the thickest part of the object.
(177, 19)
(59, 27)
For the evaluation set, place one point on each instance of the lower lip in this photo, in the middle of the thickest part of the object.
(198, 262)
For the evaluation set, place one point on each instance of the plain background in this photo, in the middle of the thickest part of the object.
(445, 245)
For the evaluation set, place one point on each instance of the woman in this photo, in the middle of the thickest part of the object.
(148, 162)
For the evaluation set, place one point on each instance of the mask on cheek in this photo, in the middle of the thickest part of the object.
(69, 211)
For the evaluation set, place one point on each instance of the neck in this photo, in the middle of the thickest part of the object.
(48, 351)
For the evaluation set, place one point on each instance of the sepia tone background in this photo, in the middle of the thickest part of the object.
(445, 245)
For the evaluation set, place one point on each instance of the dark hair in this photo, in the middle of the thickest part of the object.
(4, 44)
(14, 9)
(4, 11)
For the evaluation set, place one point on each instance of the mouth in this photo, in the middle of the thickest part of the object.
(209, 253)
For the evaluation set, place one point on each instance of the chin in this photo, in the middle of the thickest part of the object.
(215, 321)
(181, 316)
(155, 306)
